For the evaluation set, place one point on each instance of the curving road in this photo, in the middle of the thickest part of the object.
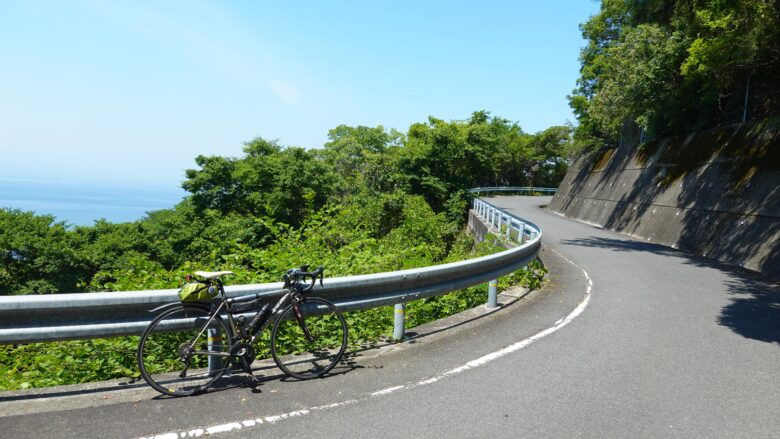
(663, 344)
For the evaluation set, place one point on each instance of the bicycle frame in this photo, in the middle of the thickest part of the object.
(257, 327)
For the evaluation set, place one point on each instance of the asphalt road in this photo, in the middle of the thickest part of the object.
(663, 344)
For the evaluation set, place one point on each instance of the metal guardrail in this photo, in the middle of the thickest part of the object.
(532, 189)
(25, 319)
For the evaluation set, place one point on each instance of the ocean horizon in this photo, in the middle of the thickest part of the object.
(81, 203)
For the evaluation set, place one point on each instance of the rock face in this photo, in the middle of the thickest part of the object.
(714, 193)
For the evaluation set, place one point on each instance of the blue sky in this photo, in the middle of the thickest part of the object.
(130, 92)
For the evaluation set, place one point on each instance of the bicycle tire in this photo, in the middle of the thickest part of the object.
(297, 356)
(159, 348)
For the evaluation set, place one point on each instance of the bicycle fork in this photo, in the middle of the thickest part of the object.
(301, 322)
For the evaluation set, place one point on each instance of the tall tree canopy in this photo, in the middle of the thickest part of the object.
(672, 66)
(283, 183)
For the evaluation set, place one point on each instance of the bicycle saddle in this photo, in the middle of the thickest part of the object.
(212, 274)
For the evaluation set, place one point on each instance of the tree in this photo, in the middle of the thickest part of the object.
(672, 66)
(551, 151)
(283, 183)
(441, 159)
(359, 155)
(38, 255)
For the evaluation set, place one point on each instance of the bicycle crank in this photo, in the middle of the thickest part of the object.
(245, 354)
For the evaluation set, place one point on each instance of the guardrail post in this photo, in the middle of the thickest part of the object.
(521, 229)
(509, 228)
(215, 345)
(500, 218)
(492, 294)
(399, 321)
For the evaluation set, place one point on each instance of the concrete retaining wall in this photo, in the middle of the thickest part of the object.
(715, 193)
(477, 227)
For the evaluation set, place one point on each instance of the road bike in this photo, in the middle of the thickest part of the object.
(190, 345)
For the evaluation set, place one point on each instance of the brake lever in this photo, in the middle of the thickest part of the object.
(321, 273)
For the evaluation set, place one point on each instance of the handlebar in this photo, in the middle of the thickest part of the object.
(300, 274)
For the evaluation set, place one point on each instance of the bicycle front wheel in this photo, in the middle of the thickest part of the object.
(310, 345)
(179, 352)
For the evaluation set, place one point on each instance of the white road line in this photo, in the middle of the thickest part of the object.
(387, 391)
(481, 361)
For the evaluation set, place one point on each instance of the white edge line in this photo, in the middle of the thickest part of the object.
(481, 361)
(523, 343)
(387, 391)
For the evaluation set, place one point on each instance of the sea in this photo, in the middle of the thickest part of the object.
(81, 203)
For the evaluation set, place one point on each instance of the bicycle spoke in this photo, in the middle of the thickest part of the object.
(303, 355)
(174, 352)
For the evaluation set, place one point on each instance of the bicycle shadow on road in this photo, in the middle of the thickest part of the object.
(267, 372)
(754, 311)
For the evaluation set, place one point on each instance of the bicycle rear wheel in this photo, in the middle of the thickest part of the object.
(302, 357)
(174, 351)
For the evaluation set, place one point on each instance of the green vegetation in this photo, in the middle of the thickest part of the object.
(668, 67)
(370, 200)
(49, 364)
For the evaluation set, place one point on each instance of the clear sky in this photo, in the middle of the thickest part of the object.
(130, 92)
